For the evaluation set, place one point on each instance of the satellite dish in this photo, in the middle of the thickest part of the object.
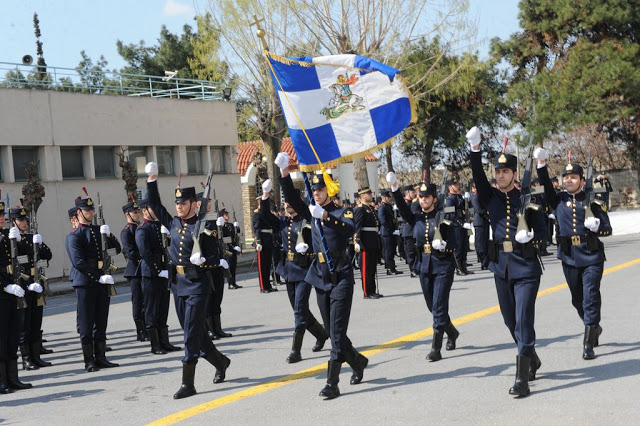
(27, 60)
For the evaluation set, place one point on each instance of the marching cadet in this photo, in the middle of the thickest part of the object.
(388, 232)
(407, 230)
(276, 253)
(91, 284)
(579, 248)
(481, 228)
(9, 314)
(131, 253)
(263, 237)
(460, 226)
(190, 282)
(230, 232)
(367, 242)
(296, 238)
(514, 264)
(436, 265)
(334, 289)
(604, 182)
(31, 316)
(541, 200)
(149, 239)
(351, 251)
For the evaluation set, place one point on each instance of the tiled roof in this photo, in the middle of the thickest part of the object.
(247, 149)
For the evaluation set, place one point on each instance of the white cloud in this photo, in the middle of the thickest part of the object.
(173, 8)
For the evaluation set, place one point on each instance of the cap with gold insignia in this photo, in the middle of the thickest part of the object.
(85, 203)
(317, 182)
(185, 194)
(144, 203)
(385, 193)
(407, 188)
(506, 161)
(19, 212)
(364, 190)
(572, 168)
(130, 206)
(427, 189)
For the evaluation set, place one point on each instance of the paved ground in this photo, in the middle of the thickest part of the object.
(468, 386)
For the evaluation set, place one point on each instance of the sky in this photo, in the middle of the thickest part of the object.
(70, 26)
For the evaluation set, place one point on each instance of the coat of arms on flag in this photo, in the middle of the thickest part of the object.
(340, 107)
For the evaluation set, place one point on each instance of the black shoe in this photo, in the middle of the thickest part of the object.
(521, 385)
(331, 390)
(89, 358)
(208, 322)
(163, 334)
(413, 275)
(220, 362)
(188, 375)
(217, 327)
(545, 253)
(389, 272)
(318, 331)
(590, 337)
(12, 376)
(27, 360)
(358, 367)
(436, 345)
(295, 356)
(462, 272)
(452, 336)
(154, 339)
(598, 333)
(4, 379)
(45, 351)
(35, 354)
(534, 365)
(374, 296)
(265, 291)
(101, 359)
(141, 332)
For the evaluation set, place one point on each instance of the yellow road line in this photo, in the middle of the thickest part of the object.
(314, 371)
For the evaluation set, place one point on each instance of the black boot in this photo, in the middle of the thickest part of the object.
(101, 358)
(319, 333)
(598, 333)
(43, 350)
(436, 345)
(358, 363)
(521, 386)
(163, 333)
(452, 336)
(12, 376)
(220, 362)
(4, 379)
(209, 324)
(534, 365)
(35, 353)
(89, 358)
(590, 338)
(141, 332)
(217, 327)
(295, 356)
(156, 349)
(331, 389)
(188, 375)
(27, 361)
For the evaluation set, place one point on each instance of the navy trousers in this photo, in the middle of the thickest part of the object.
(584, 284)
(93, 313)
(436, 289)
(156, 302)
(9, 326)
(389, 251)
(137, 298)
(410, 251)
(299, 293)
(191, 311)
(335, 308)
(30, 319)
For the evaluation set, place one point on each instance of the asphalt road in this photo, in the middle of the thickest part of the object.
(469, 386)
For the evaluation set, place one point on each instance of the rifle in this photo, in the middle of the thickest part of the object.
(220, 239)
(236, 238)
(589, 191)
(442, 210)
(107, 266)
(468, 210)
(164, 239)
(38, 268)
(16, 264)
(525, 194)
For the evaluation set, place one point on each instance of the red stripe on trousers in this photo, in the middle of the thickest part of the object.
(364, 273)
(260, 272)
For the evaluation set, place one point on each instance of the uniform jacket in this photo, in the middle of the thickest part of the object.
(263, 230)
(387, 224)
(149, 241)
(130, 250)
(366, 217)
(84, 249)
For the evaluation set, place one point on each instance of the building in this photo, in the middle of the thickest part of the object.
(75, 137)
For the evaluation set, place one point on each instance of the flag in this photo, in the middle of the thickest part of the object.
(347, 105)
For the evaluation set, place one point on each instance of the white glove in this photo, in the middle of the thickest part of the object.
(104, 230)
(164, 230)
(466, 196)
(14, 289)
(220, 221)
(258, 247)
(164, 274)
(151, 169)
(197, 259)
(395, 207)
(552, 216)
(267, 186)
(35, 287)
(224, 264)
(37, 239)
(282, 160)
(14, 234)
(466, 225)
(356, 247)
(236, 224)
(593, 223)
(106, 279)
(316, 211)
(524, 237)
(391, 178)
(439, 245)
(540, 154)
(302, 247)
(474, 137)
(238, 249)
(396, 232)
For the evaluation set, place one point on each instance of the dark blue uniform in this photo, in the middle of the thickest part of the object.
(460, 233)
(407, 236)
(387, 228)
(230, 238)
(334, 290)
(263, 234)
(581, 252)
(132, 273)
(367, 226)
(481, 227)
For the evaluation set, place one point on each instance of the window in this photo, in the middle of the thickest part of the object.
(104, 162)
(72, 164)
(138, 157)
(22, 156)
(165, 160)
(194, 160)
(217, 159)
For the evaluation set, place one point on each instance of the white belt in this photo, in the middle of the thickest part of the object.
(267, 231)
(370, 228)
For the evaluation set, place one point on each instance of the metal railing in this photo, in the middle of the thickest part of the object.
(79, 80)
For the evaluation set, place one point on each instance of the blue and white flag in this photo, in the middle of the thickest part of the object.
(348, 105)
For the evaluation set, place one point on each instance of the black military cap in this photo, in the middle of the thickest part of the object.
(72, 212)
(19, 212)
(506, 161)
(572, 168)
(364, 190)
(185, 194)
(534, 181)
(427, 189)
(385, 193)
(317, 182)
(144, 203)
(129, 207)
(222, 212)
(85, 204)
(554, 179)
(356, 195)
(378, 200)
(407, 188)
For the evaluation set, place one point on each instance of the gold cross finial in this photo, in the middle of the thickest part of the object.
(259, 31)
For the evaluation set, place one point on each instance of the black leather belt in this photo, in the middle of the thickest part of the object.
(509, 246)
(575, 240)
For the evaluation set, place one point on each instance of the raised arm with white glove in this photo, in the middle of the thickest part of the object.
(151, 169)
(541, 155)
(282, 161)
(267, 186)
(473, 138)
(392, 180)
